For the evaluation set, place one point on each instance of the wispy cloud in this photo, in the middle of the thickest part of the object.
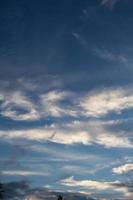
(105, 101)
(116, 186)
(109, 3)
(86, 133)
(107, 55)
(17, 106)
(23, 173)
(51, 102)
(20, 106)
(65, 154)
(79, 169)
(123, 169)
(70, 181)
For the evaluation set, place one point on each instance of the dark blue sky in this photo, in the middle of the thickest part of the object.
(66, 97)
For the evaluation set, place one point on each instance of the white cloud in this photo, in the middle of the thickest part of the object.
(86, 133)
(87, 184)
(17, 105)
(113, 141)
(13, 102)
(106, 101)
(23, 173)
(116, 186)
(123, 169)
(51, 104)
(49, 134)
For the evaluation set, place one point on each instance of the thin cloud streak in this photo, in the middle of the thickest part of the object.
(23, 173)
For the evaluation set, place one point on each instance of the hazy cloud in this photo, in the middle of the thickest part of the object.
(107, 55)
(109, 3)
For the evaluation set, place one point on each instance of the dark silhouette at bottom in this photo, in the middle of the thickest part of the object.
(1, 191)
(60, 197)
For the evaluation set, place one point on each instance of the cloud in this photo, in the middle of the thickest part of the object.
(79, 169)
(116, 186)
(17, 106)
(23, 173)
(65, 154)
(51, 102)
(86, 133)
(107, 55)
(109, 3)
(23, 106)
(123, 169)
(81, 40)
(109, 100)
(87, 184)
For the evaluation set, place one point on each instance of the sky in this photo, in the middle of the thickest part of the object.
(66, 95)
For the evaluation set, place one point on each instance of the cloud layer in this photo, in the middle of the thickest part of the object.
(17, 105)
(116, 186)
(76, 132)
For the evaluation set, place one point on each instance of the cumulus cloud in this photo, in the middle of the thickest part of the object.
(103, 102)
(123, 169)
(86, 133)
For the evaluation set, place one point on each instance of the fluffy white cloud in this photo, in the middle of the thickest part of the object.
(123, 168)
(106, 101)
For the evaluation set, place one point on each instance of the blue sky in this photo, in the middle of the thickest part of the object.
(66, 97)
